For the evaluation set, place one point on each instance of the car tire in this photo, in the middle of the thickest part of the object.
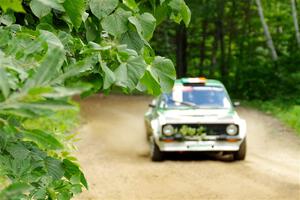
(156, 154)
(241, 153)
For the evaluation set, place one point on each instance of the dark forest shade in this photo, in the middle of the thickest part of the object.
(181, 51)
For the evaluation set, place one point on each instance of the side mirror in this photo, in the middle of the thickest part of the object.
(151, 105)
(236, 104)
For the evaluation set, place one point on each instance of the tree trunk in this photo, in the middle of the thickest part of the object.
(223, 66)
(248, 53)
(214, 51)
(181, 46)
(203, 46)
(233, 33)
(220, 26)
(266, 31)
(295, 19)
(244, 48)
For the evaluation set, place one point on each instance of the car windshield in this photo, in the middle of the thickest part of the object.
(197, 97)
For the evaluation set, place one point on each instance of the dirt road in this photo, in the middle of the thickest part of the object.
(114, 155)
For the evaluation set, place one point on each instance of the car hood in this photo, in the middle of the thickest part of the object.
(199, 116)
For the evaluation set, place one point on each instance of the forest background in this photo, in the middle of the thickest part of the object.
(252, 46)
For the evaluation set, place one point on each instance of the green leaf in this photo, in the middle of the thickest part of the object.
(132, 40)
(53, 105)
(125, 53)
(160, 76)
(15, 5)
(102, 8)
(4, 39)
(180, 11)
(74, 70)
(50, 64)
(14, 190)
(37, 91)
(22, 74)
(162, 1)
(24, 113)
(39, 9)
(128, 74)
(18, 151)
(96, 47)
(4, 141)
(72, 169)
(52, 40)
(76, 188)
(151, 83)
(186, 14)
(55, 4)
(91, 29)
(48, 68)
(41, 108)
(164, 71)
(161, 13)
(109, 76)
(75, 10)
(8, 18)
(40, 193)
(4, 84)
(54, 168)
(132, 5)
(60, 92)
(116, 23)
(43, 139)
(145, 25)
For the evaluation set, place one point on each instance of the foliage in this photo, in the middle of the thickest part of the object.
(51, 50)
(225, 40)
(34, 174)
(32, 157)
(190, 131)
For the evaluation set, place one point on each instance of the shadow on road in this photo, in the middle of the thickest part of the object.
(195, 156)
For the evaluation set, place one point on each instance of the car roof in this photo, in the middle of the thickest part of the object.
(206, 82)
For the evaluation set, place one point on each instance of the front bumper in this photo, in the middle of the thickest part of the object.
(199, 146)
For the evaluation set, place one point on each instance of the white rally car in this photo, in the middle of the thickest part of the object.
(197, 115)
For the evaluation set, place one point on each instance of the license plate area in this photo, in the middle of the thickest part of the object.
(201, 145)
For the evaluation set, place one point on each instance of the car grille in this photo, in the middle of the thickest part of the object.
(208, 129)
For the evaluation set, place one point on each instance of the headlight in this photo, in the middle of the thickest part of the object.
(232, 129)
(168, 130)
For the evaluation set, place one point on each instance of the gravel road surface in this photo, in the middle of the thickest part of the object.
(114, 154)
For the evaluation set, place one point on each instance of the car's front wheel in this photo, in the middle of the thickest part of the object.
(156, 154)
(241, 153)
